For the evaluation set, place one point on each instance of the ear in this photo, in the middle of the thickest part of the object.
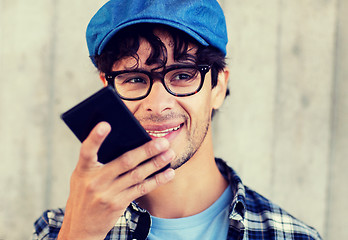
(219, 91)
(102, 78)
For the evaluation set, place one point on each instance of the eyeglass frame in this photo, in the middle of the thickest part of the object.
(202, 68)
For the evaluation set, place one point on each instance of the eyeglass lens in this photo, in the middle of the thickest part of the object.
(180, 81)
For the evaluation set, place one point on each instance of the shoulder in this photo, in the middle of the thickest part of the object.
(49, 224)
(262, 217)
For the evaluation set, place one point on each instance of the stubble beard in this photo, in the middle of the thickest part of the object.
(194, 143)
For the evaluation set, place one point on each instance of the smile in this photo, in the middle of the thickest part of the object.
(163, 132)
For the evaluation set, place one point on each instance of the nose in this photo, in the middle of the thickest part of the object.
(159, 101)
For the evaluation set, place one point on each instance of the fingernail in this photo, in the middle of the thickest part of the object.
(161, 144)
(168, 155)
(103, 128)
(169, 173)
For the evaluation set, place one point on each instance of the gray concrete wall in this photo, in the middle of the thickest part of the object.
(284, 127)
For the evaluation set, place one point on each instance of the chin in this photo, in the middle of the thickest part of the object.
(179, 162)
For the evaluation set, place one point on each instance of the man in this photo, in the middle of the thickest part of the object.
(165, 59)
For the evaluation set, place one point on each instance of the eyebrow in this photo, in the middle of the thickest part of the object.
(164, 68)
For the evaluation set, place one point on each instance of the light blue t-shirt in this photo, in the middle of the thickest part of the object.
(212, 223)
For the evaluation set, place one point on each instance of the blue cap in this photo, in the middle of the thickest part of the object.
(203, 20)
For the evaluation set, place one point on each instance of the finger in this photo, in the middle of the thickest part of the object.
(141, 172)
(91, 145)
(148, 185)
(133, 158)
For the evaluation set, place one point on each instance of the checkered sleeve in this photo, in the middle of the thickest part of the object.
(48, 225)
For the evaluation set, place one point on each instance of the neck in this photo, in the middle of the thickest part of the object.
(196, 186)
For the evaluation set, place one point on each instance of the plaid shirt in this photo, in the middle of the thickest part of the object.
(251, 217)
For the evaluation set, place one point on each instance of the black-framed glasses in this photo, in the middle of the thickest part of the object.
(178, 80)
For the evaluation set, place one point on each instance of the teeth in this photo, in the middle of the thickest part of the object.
(158, 134)
(163, 132)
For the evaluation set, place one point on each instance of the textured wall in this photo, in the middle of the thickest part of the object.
(284, 127)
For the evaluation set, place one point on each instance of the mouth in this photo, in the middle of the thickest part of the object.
(163, 133)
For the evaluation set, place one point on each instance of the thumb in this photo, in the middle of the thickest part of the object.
(90, 146)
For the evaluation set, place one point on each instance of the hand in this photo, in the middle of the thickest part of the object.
(99, 194)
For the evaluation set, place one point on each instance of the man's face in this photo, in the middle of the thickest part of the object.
(184, 121)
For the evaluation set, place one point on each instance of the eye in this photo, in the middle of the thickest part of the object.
(135, 80)
(183, 75)
(131, 79)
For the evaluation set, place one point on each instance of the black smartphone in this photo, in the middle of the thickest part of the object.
(105, 105)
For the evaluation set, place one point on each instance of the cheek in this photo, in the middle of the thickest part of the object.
(132, 106)
(198, 108)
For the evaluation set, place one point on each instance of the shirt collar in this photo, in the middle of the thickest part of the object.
(238, 205)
